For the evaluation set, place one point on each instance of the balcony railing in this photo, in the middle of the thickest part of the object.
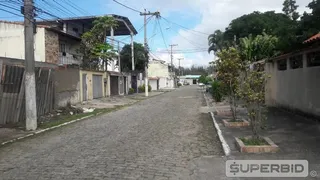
(69, 59)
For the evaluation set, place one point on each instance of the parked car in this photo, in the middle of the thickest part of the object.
(186, 83)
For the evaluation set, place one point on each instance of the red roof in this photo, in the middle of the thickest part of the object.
(313, 38)
(153, 78)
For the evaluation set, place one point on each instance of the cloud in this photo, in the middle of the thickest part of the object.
(214, 15)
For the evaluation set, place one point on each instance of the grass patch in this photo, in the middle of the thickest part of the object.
(57, 120)
(254, 142)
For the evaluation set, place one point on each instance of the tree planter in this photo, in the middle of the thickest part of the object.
(241, 123)
(223, 112)
(270, 148)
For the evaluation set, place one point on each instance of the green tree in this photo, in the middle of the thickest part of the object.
(309, 24)
(102, 25)
(202, 79)
(94, 46)
(258, 48)
(276, 24)
(229, 68)
(216, 41)
(252, 89)
(140, 59)
(290, 9)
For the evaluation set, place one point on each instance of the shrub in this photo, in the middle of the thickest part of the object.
(217, 91)
(179, 84)
(131, 91)
(142, 88)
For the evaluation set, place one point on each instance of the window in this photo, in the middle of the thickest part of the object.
(75, 30)
(296, 62)
(12, 78)
(62, 47)
(313, 59)
(282, 65)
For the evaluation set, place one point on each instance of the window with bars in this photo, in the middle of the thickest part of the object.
(282, 65)
(313, 59)
(296, 62)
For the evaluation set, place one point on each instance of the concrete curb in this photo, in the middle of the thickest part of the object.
(44, 130)
(224, 144)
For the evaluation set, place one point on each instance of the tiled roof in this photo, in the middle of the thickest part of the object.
(153, 78)
(313, 38)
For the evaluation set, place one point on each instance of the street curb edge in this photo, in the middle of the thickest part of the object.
(44, 130)
(224, 144)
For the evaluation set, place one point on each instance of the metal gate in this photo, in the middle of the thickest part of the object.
(97, 86)
(12, 92)
(121, 88)
(84, 87)
(125, 85)
(114, 83)
(134, 83)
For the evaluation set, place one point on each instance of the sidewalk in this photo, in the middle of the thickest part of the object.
(297, 137)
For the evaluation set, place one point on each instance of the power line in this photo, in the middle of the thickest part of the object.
(64, 8)
(127, 6)
(70, 3)
(148, 20)
(164, 41)
(188, 40)
(11, 12)
(184, 26)
(58, 9)
(10, 7)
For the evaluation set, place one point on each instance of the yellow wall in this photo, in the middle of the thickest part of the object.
(89, 83)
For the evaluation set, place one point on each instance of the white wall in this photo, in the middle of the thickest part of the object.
(163, 82)
(157, 69)
(12, 41)
(153, 84)
(296, 89)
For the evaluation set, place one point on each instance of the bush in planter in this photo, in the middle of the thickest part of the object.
(142, 88)
(216, 91)
(131, 91)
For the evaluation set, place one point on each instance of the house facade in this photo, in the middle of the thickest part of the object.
(191, 79)
(58, 42)
(159, 75)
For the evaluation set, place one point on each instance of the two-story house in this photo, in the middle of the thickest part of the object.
(58, 42)
(159, 75)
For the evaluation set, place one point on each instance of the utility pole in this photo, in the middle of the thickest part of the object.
(132, 52)
(179, 65)
(30, 87)
(145, 14)
(172, 69)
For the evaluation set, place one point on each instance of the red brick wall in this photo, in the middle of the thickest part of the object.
(52, 47)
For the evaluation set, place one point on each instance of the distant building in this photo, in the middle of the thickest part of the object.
(159, 75)
(191, 79)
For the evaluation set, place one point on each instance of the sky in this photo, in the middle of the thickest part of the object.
(189, 21)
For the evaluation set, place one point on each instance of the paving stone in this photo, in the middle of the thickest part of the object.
(154, 139)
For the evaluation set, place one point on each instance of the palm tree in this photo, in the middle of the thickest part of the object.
(102, 25)
(216, 41)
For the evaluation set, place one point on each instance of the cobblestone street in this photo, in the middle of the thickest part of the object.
(157, 138)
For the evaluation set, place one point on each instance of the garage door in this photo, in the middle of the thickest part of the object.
(97, 86)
